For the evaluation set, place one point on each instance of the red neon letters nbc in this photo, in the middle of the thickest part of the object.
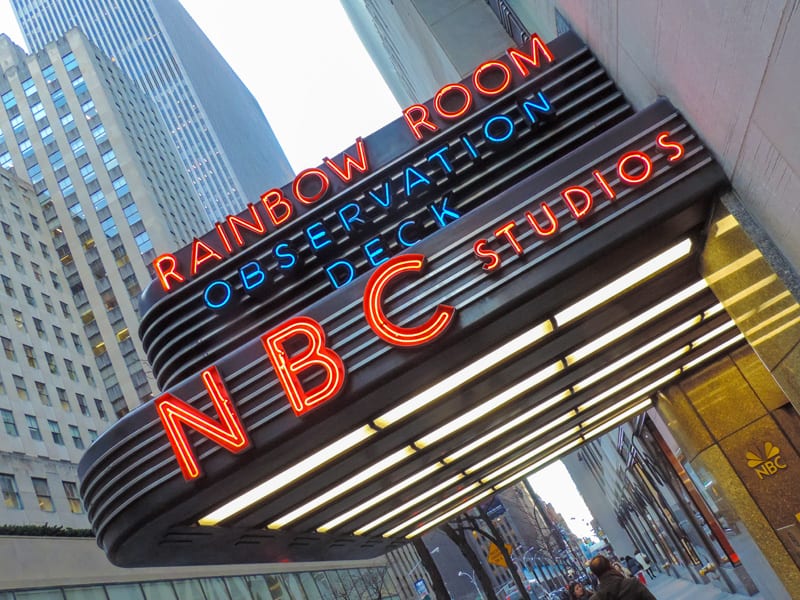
(228, 432)
(315, 355)
(373, 311)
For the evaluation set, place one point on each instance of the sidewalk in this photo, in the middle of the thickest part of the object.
(665, 587)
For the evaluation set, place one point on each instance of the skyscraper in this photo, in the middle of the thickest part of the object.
(222, 136)
(111, 188)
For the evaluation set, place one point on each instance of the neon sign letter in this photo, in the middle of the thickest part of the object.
(228, 432)
(316, 354)
(388, 331)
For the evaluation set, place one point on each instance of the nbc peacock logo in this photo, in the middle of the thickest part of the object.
(769, 464)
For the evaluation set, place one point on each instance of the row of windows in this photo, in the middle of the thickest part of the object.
(63, 399)
(12, 499)
(32, 423)
(38, 324)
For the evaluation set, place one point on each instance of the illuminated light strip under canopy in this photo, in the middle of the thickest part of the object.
(506, 427)
(642, 318)
(432, 509)
(344, 487)
(455, 510)
(385, 495)
(465, 374)
(624, 283)
(538, 409)
(284, 478)
(435, 436)
(506, 396)
(468, 373)
(539, 464)
(624, 416)
(490, 405)
(403, 507)
(527, 439)
(530, 454)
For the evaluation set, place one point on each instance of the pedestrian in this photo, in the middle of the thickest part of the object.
(642, 559)
(578, 591)
(633, 565)
(619, 566)
(614, 585)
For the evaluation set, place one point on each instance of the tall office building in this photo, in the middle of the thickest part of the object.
(51, 399)
(111, 187)
(222, 136)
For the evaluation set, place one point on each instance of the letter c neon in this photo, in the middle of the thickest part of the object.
(376, 318)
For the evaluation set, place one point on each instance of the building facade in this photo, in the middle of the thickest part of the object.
(226, 144)
(112, 190)
(52, 402)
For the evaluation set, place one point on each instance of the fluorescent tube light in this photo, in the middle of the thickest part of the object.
(385, 495)
(454, 511)
(465, 374)
(287, 476)
(344, 487)
(492, 404)
(624, 283)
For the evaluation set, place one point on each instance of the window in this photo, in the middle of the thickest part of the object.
(22, 390)
(62, 398)
(51, 363)
(48, 304)
(18, 320)
(55, 430)
(82, 405)
(9, 287)
(29, 87)
(76, 341)
(92, 435)
(39, 326)
(41, 389)
(11, 498)
(88, 174)
(37, 271)
(8, 347)
(87, 373)
(71, 373)
(71, 492)
(9, 423)
(46, 134)
(42, 491)
(78, 149)
(75, 434)
(66, 187)
(65, 310)
(8, 99)
(44, 250)
(30, 356)
(101, 411)
(33, 428)
(28, 292)
(59, 335)
(38, 111)
(56, 160)
(70, 62)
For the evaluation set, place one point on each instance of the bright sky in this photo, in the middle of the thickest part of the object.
(320, 91)
(304, 64)
(554, 485)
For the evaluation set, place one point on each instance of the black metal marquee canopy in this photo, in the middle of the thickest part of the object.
(567, 338)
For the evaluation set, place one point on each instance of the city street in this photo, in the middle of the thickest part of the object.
(669, 588)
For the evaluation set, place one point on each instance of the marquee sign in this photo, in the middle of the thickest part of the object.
(346, 419)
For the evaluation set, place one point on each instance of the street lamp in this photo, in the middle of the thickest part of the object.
(472, 579)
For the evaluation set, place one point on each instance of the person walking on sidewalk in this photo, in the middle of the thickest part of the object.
(642, 559)
(614, 585)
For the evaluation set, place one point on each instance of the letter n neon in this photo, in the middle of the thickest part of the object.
(228, 432)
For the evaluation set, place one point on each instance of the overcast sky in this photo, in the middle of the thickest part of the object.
(302, 61)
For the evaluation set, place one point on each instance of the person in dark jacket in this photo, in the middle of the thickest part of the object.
(615, 586)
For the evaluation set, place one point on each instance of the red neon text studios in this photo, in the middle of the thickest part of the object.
(632, 169)
(228, 431)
